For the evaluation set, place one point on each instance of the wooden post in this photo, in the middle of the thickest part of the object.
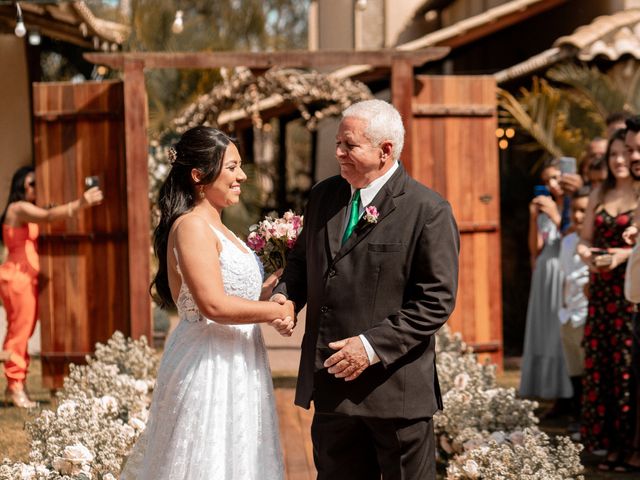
(402, 98)
(135, 122)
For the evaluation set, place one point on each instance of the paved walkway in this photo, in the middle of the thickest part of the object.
(295, 427)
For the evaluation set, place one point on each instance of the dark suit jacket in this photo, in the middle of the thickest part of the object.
(394, 281)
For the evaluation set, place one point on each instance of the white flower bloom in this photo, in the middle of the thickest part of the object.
(128, 431)
(137, 424)
(67, 408)
(141, 387)
(499, 437)
(470, 467)
(86, 471)
(109, 403)
(27, 472)
(108, 476)
(78, 454)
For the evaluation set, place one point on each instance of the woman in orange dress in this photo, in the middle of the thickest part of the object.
(19, 272)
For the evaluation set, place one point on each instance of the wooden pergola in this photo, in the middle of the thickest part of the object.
(400, 64)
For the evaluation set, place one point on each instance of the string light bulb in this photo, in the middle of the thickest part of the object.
(178, 24)
(20, 29)
(361, 4)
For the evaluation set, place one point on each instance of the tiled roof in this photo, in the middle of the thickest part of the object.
(607, 37)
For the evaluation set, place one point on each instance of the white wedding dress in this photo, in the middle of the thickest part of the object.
(213, 412)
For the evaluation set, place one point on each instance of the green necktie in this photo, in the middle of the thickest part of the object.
(354, 216)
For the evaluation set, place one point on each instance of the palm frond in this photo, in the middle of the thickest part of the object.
(542, 114)
(592, 84)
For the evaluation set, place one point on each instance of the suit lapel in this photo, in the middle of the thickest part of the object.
(385, 204)
(335, 222)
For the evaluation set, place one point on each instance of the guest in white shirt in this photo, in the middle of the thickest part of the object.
(573, 313)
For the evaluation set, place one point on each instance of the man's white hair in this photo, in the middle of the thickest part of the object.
(383, 123)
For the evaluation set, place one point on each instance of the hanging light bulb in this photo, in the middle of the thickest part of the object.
(178, 24)
(34, 37)
(20, 29)
(361, 4)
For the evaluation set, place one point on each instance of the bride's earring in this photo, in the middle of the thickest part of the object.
(201, 193)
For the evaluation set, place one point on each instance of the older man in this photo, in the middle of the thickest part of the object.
(377, 267)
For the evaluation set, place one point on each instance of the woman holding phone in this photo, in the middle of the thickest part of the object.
(544, 372)
(606, 406)
(19, 272)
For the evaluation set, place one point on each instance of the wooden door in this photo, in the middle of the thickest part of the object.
(454, 151)
(84, 286)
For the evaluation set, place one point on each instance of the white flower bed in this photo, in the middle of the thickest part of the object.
(484, 432)
(102, 409)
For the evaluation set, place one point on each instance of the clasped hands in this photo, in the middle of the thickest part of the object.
(350, 359)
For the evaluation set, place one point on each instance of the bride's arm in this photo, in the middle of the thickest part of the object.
(198, 253)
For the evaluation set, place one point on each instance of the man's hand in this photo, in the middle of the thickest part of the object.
(349, 361)
(283, 326)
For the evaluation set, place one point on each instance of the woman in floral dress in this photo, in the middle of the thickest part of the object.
(606, 406)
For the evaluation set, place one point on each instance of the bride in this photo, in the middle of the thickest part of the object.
(212, 414)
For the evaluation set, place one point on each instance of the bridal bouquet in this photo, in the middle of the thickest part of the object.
(273, 237)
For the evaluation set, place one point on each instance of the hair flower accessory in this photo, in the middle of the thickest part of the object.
(172, 155)
(371, 214)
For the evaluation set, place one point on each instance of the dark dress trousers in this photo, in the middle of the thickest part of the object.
(394, 281)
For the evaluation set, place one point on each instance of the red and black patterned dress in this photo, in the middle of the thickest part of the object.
(606, 402)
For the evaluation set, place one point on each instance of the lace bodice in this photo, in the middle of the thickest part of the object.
(242, 275)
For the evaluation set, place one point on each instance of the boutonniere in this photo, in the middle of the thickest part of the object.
(371, 214)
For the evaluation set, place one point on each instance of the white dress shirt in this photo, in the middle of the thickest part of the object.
(576, 276)
(367, 194)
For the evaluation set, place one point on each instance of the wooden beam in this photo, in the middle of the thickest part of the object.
(466, 110)
(500, 23)
(138, 221)
(402, 98)
(262, 60)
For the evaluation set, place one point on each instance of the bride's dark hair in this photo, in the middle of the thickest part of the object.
(201, 148)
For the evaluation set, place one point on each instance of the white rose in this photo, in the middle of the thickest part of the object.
(67, 408)
(128, 431)
(470, 467)
(141, 387)
(109, 403)
(78, 453)
(499, 437)
(86, 471)
(137, 424)
(27, 472)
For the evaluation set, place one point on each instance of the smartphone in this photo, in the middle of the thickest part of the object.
(541, 190)
(91, 181)
(567, 165)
